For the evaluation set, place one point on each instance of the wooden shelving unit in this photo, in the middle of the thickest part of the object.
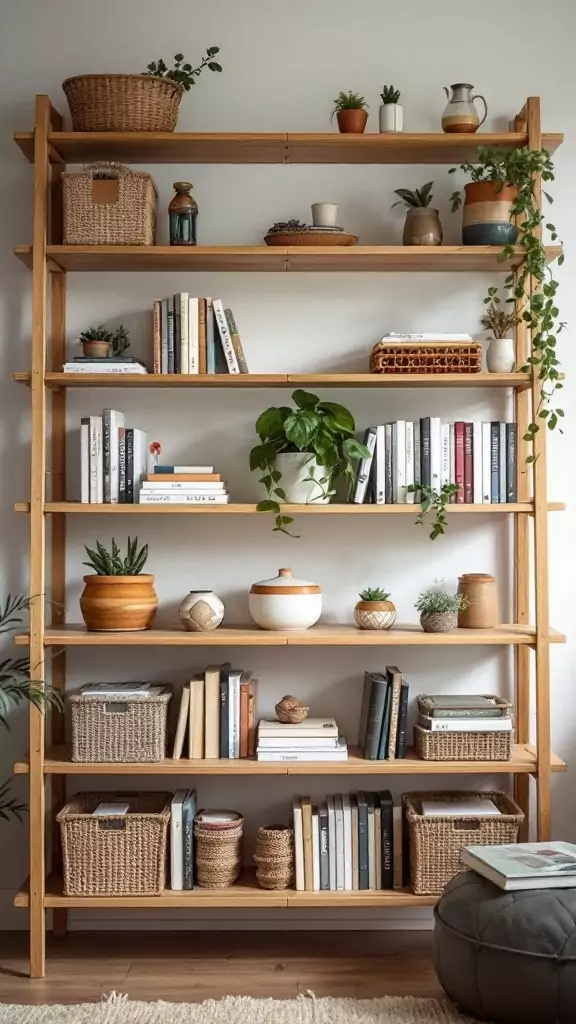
(50, 149)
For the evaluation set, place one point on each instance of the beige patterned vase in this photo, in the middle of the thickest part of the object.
(375, 614)
(201, 611)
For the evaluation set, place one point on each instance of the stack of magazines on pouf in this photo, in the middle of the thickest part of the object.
(473, 727)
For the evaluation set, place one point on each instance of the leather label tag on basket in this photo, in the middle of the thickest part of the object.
(114, 708)
(112, 825)
(104, 191)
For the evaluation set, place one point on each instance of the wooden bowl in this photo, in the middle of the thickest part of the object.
(310, 238)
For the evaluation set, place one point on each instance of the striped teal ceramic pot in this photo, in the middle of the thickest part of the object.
(486, 217)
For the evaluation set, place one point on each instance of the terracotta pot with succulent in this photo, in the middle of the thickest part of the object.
(422, 225)
(391, 113)
(351, 113)
(439, 610)
(304, 452)
(501, 354)
(118, 597)
(374, 610)
(100, 343)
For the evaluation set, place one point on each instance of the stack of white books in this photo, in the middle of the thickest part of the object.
(315, 739)
(183, 485)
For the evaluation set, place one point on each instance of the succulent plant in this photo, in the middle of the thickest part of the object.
(110, 563)
(100, 333)
(374, 594)
(280, 226)
(348, 101)
(184, 74)
(389, 94)
(120, 341)
(417, 198)
(498, 321)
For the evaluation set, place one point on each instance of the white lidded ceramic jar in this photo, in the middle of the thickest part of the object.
(285, 602)
(201, 611)
(303, 481)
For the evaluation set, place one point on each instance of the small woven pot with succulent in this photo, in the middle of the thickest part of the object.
(118, 597)
(374, 610)
(439, 610)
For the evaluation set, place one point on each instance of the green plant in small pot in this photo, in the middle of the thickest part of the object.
(422, 225)
(351, 113)
(118, 597)
(374, 610)
(439, 610)
(391, 113)
(501, 354)
(304, 452)
(100, 343)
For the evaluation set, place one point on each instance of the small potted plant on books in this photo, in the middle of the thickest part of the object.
(439, 610)
(391, 113)
(100, 343)
(422, 225)
(118, 597)
(351, 114)
(374, 610)
(501, 355)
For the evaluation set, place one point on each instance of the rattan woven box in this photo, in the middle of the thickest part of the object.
(119, 729)
(462, 746)
(436, 842)
(109, 204)
(405, 357)
(115, 855)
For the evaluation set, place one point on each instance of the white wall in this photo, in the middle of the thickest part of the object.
(283, 64)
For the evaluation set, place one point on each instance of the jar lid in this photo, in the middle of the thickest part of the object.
(476, 577)
(285, 583)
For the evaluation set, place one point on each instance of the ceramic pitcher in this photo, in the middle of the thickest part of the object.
(460, 114)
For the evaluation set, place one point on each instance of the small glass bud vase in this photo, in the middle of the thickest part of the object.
(182, 212)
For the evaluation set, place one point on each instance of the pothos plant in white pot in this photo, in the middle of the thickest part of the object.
(303, 453)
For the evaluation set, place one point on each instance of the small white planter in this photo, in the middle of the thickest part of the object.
(296, 469)
(201, 611)
(325, 215)
(501, 356)
(391, 117)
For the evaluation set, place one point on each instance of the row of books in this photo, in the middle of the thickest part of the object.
(195, 335)
(480, 458)
(383, 717)
(217, 715)
(464, 713)
(183, 485)
(351, 841)
(315, 739)
(113, 459)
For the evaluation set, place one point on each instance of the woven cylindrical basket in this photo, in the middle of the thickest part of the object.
(462, 746)
(218, 853)
(115, 855)
(274, 857)
(109, 204)
(124, 729)
(123, 103)
(426, 357)
(436, 842)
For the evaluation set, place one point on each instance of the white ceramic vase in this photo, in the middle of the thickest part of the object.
(325, 215)
(285, 602)
(501, 356)
(391, 117)
(201, 611)
(297, 468)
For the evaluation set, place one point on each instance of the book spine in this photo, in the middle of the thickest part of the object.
(193, 344)
(95, 459)
(375, 717)
(170, 322)
(251, 719)
(502, 465)
(176, 849)
(385, 726)
(402, 721)
(156, 337)
(177, 334)
(164, 336)
(212, 712)
(370, 798)
(85, 460)
(233, 715)
(400, 465)
(315, 850)
(298, 846)
(339, 815)
(468, 464)
(307, 843)
(184, 333)
(129, 437)
(409, 462)
(363, 876)
(417, 462)
(324, 862)
(106, 453)
(435, 451)
(395, 689)
(452, 461)
(210, 341)
(244, 720)
(445, 468)
(459, 454)
(347, 822)
(188, 830)
(486, 460)
(116, 422)
(397, 856)
(495, 463)
(511, 462)
(426, 477)
(236, 342)
(119, 368)
(387, 826)
(388, 467)
(331, 843)
(202, 336)
(380, 463)
(477, 462)
(225, 338)
(122, 465)
(364, 466)
(224, 694)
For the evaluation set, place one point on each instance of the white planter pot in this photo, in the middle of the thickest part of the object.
(201, 611)
(285, 602)
(391, 117)
(296, 469)
(501, 356)
(325, 215)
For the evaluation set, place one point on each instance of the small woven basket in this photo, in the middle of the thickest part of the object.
(426, 357)
(123, 103)
(462, 746)
(218, 853)
(274, 857)
(121, 730)
(436, 842)
(115, 855)
(109, 204)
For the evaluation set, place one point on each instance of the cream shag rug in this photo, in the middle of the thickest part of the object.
(240, 1010)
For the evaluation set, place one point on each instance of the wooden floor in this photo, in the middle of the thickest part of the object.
(190, 967)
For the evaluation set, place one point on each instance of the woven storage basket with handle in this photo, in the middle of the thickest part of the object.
(109, 204)
(462, 746)
(426, 357)
(115, 855)
(436, 842)
(119, 729)
(123, 103)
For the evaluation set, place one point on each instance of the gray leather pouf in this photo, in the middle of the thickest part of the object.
(508, 957)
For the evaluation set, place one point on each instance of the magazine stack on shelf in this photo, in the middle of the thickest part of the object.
(314, 739)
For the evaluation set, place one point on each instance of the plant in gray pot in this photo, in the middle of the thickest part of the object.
(439, 610)
(422, 225)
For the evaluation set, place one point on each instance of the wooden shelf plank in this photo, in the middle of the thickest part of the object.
(364, 258)
(322, 635)
(336, 509)
(274, 147)
(58, 761)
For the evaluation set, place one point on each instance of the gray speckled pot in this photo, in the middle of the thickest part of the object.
(438, 622)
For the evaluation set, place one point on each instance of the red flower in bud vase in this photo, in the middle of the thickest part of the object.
(155, 448)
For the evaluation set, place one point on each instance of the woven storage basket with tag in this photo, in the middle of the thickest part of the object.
(121, 729)
(462, 746)
(115, 855)
(426, 357)
(109, 204)
(436, 842)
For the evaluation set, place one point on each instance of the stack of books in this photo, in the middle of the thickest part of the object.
(182, 814)
(463, 713)
(123, 364)
(353, 841)
(113, 459)
(315, 739)
(382, 729)
(181, 485)
(195, 335)
(520, 866)
(479, 458)
(217, 715)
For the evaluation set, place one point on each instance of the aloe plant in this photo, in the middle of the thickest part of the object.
(374, 594)
(110, 563)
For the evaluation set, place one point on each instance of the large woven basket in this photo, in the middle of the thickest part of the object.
(116, 855)
(462, 746)
(426, 357)
(122, 729)
(109, 204)
(123, 103)
(436, 842)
